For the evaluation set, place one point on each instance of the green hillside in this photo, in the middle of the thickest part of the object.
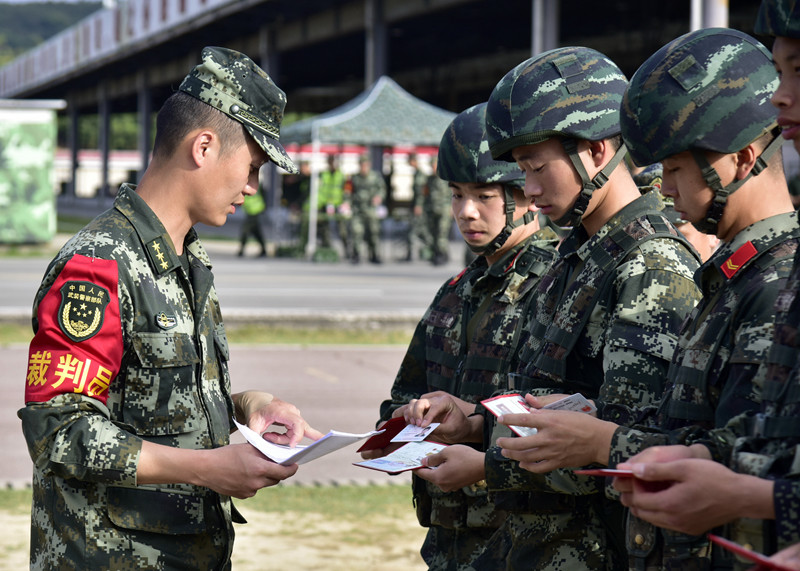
(24, 26)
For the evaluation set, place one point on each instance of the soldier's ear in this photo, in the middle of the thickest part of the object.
(203, 144)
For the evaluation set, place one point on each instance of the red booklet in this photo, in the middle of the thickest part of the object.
(754, 556)
(391, 429)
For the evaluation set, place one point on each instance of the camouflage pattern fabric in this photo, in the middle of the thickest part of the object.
(365, 222)
(493, 302)
(151, 365)
(27, 147)
(572, 92)
(417, 228)
(778, 18)
(769, 448)
(619, 357)
(664, 110)
(231, 82)
(718, 371)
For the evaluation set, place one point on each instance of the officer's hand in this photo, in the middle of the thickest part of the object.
(453, 468)
(280, 413)
(455, 425)
(240, 470)
(466, 407)
(656, 454)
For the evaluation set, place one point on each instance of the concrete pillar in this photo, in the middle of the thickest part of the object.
(103, 142)
(376, 48)
(74, 145)
(709, 14)
(145, 111)
(544, 25)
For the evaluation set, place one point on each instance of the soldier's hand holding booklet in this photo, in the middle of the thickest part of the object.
(410, 455)
(515, 404)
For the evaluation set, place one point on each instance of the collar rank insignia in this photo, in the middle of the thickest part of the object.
(165, 321)
(82, 310)
(456, 279)
(738, 259)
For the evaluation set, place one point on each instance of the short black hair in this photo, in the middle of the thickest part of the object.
(181, 114)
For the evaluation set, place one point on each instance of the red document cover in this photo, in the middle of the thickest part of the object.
(391, 429)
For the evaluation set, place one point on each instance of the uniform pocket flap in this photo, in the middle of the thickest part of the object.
(154, 511)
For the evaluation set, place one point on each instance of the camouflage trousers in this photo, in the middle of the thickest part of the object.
(555, 542)
(447, 549)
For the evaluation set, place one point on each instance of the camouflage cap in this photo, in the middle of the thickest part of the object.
(464, 153)
(707, 90)
(778, 18)
(231, 82)
(570, 92)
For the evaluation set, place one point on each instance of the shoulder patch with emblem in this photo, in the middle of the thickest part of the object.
(82, 310)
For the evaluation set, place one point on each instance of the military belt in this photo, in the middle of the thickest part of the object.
(763, 426)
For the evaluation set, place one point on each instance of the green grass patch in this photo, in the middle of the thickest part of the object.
(15, 333)
(347, 502)
(268, 335)
(15, 502)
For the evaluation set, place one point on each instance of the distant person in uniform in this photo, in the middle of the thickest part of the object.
(128, 400)
(436, 207)
(368, 190)
(418, 236)
(254, 206)
(331, 197)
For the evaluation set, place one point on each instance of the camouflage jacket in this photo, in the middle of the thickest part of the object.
(770, 445)
(718, 371)
(606, 324)
(365, 188)
(129, 346)
(466, 343)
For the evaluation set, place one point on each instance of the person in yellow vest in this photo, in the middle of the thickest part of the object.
(253, 206)
(331, 196)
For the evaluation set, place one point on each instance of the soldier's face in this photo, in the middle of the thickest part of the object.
(550, 179)
(683, 181)
(786, 56)
(230, 178)
(479, 211)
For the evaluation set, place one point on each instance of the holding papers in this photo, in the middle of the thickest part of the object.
(284, 455)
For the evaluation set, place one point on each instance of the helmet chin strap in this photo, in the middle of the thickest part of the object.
(710, 222)
(511, 224)
(573, 217)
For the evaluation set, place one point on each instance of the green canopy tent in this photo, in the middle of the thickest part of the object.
(383, 115)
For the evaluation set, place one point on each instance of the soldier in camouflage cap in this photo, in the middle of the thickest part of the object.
(128, 395)
(713, 80)
(231, 82)
(604, 318)
(468, 339)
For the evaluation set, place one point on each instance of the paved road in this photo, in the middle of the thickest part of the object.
(336, 388)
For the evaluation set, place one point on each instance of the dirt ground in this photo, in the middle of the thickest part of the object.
(306, 542)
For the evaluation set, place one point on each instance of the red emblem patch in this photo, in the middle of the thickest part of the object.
(738, 259)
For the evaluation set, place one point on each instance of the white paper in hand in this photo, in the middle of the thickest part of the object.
(284, 455)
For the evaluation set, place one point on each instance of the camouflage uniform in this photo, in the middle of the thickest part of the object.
(418, 234)
(130, 346)
(605, 325)
(153, 365)
(467, 340)
(365, 218)
(771, 438)
(718, 370)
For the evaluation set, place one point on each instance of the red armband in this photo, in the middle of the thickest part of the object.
(78, 347)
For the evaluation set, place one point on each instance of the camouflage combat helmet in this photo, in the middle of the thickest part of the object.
(231, 82)
(779, 18)
(571, 93)
(708, 90)
(464, 157)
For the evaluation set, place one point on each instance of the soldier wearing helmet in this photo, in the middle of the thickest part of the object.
(701, 106)
(467, 341)
(606, 315)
